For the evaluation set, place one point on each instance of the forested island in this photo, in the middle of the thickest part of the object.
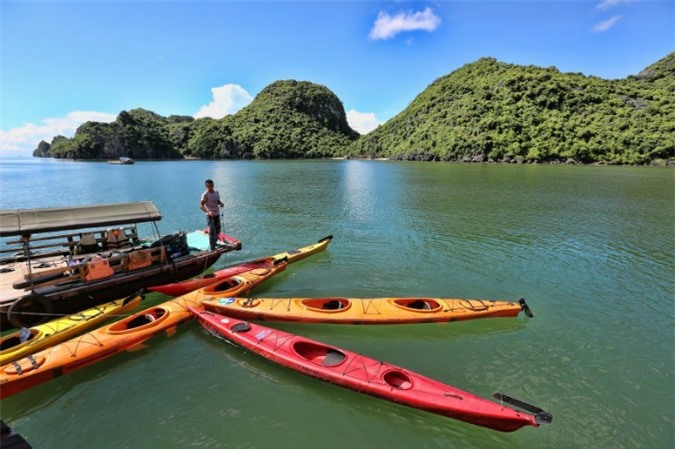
(486, 111)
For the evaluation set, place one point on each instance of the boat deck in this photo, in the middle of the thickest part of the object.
(18, 272)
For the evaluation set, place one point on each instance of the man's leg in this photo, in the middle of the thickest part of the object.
(213, 233)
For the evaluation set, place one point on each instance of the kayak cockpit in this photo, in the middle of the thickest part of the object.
(318, 354)
(418, 304)
(225, 285)
(15, 340)
(150, 317)
(397, 379)
(326, 304)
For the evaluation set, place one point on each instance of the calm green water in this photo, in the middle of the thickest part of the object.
(591, 248)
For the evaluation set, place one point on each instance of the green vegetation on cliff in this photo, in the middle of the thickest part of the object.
(489, 110)
(486, 110)
(288, 119)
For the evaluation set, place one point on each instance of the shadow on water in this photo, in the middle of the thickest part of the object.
(342, 333)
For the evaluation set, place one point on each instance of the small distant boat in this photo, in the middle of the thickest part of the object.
(122, 161)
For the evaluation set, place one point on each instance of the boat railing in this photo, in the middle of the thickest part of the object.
(64, 244)
(73, 264)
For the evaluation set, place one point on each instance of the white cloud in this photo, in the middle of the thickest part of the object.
(606, 4)
(387, 26)
(227, 99)
(23, 140)
(363, 122)
(606, 25)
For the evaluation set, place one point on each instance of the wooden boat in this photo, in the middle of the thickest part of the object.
(10, 439)
(124, 335)
(183, 287)
(365, 310)
(365, 375)
(19, 344)
(71, 258)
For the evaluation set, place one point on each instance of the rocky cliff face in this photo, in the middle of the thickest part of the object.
(313, 100)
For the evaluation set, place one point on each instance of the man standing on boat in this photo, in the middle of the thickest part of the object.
(211, 204)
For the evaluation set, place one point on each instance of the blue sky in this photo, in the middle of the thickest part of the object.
(66, 62)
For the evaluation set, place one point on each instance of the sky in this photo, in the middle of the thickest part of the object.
(67, 62)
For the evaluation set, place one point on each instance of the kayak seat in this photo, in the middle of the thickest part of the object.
(420, 305)
(333, 358)
(332, 305)
(318, 354)
(146, 318)
(14, 340)
(225, 285)
(398, 380)
(327, 305)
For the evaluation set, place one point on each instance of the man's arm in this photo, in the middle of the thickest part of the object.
(202, 205)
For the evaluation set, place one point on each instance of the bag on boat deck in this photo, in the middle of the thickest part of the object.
(98, 268)
(175, 245)
(87, 245)
(140, 258)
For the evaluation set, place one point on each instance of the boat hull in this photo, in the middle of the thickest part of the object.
(124, 335)
(363, 310)
(363, 374)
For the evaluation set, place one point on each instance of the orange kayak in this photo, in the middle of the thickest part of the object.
(364, 310)
(124, 335)
(13, 346)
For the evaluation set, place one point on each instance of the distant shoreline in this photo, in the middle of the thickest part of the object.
(654, 163)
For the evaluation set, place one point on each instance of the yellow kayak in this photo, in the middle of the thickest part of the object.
(364, 310)
(305, 251)
(48, 334)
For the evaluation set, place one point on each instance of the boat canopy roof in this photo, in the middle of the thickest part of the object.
(22, 221)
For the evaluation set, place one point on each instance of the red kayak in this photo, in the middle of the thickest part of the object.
(187, 286)
(365, 375)
(181, 288)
